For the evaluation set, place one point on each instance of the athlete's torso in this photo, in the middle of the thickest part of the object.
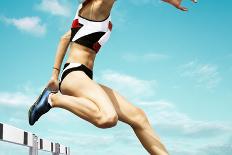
(91, 28)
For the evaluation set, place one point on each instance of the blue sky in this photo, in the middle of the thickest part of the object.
(175, 65)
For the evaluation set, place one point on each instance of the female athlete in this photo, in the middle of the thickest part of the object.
(78, 93)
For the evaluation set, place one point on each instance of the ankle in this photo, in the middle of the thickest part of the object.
(51, 100)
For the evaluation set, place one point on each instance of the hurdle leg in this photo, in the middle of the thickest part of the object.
(34, 150)
(57, 149)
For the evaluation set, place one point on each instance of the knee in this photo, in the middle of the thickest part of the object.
(107, 121)
(139, 119)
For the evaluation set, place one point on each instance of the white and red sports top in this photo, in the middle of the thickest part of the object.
(89, 33)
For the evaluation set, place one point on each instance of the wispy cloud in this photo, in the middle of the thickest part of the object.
(54, 7)
(218, 149)
(15, 98)
(89, 138)
(132, 57)
(199, 147)
(166, 116)
(9, 149)
(185, 135)
(125, 139)
(25, 95)
(30, 25)
(129, 85)
(204, 75)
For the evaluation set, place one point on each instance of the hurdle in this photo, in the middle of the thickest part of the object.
(17, 136)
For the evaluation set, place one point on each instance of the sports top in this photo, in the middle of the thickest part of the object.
(90, 33)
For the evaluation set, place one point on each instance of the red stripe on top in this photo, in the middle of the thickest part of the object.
(75, 23)
(110, 26)
(96, 47)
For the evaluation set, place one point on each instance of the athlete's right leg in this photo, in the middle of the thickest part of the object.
(86, 99)
(137, 119)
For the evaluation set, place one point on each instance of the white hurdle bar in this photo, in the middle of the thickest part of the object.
(17, 136)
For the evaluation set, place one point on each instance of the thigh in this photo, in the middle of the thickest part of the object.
(78, 84)
(126, 111)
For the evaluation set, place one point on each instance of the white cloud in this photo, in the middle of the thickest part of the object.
(24, 95)
(218, 149)
(11, 149)
(54, 7)
(166, 116)
(88, 138)
(133, 57)
(183, 134)
(199, 147)
(183, 147)
(30, 25)
(205, 75)
(15, 98)
(98, 139)
(129, 85)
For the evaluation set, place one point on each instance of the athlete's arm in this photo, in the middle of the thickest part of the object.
(177, 4)
(60, 53)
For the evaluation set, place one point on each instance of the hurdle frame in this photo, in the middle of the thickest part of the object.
(11, 134)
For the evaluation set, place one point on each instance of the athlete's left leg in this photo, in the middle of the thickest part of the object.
(136, 118)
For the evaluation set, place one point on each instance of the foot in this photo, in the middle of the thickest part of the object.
(40, 107)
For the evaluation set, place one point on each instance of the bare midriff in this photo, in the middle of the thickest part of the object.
(81, 54)
(97, 10)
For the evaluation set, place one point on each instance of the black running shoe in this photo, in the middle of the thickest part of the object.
(40, 107)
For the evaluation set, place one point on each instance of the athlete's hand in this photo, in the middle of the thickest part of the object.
(53, 84)
(177, 4)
